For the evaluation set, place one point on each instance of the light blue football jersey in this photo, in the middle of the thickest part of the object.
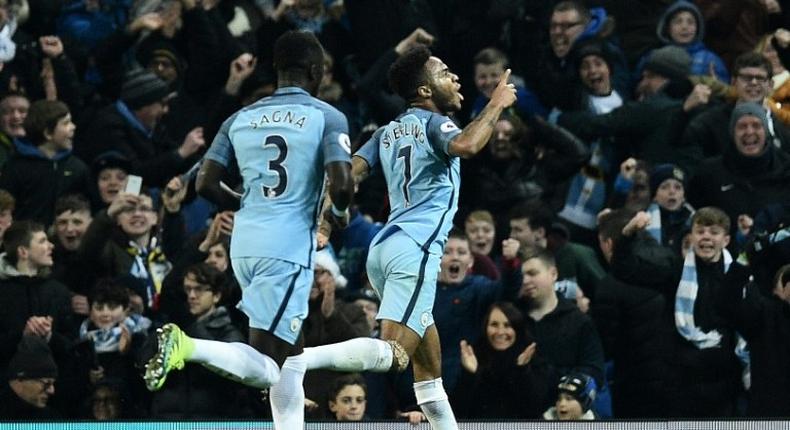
(281, 145)
(422, 177)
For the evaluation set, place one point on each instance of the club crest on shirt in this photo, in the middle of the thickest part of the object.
(425, 319)
(296, 324)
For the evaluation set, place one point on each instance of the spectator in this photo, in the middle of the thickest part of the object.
(578, 267)
(632, 186)
(751, 78)
(502, 378)
(521, 163)
(72, 219)
(33, 304)
(670, 215)
(43, 167)
(763, 322)
(13, 110)
(750, 174)
(32, 374)
(481, 231)
(633, 315)
(7, 205)
(122, 241)
(489, 65)
(576, 395)
(105, 403)
(196, 392)
(348, 398)
(462, 300)
(565, 336)
(682, 25)
(588, 189)
(110, 170)
(130, 127)
(114, 335)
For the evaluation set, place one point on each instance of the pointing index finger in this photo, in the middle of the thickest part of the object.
(505, 78)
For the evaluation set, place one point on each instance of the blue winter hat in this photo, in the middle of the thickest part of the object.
(581, 387)
(662, 172)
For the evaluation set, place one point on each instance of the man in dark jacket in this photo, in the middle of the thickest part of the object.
(43, 167)
(31, 303)
(751, 173)
(764, 321)
(633, 317)
(565, 336)
(32, 375)
(130, 126)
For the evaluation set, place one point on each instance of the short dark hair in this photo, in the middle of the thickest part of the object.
(710, 216)
(610, 225)
(544, 255)
(457, 233)
(19, 234)
(344, 381)
(109, 292)
(752, 59)
(580, 8)
(408, 73)
(297, 50)
(7, 201)
(206, 274)
(43, 116)
(536, 212)
(73, 203)
(489, 56)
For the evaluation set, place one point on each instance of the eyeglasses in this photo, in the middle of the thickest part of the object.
(200, 289)
(563, 26)
(760, 79)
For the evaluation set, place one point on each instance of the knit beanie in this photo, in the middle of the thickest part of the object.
(33, 359)
(662, 172)
(749, 108)
(579, 386)
(671, 62)
(111, 160)
(143, 88)
(592, 47)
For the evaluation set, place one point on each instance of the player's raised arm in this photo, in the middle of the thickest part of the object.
(476, 135)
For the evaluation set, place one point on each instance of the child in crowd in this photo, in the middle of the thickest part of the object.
(111, 324)
(348, 398)
(576, 396)
(481, 231)
(670, 215)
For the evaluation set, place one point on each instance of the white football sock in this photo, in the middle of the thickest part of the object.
(434, 404)
(287, 395)
(355, 355)
(237, 361)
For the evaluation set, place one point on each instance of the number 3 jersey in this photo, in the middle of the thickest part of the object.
(422, 177)
(281, 145)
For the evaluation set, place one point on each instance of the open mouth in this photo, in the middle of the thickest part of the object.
(454, 269)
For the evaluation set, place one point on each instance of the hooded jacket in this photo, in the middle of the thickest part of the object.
(36, 180)
(701, 57)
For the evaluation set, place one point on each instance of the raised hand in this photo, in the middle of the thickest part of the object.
(504, 94)
(468, 357)
(526, 356)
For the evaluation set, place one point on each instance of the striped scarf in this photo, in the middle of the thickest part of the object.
(684, 304)
(654, 228)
